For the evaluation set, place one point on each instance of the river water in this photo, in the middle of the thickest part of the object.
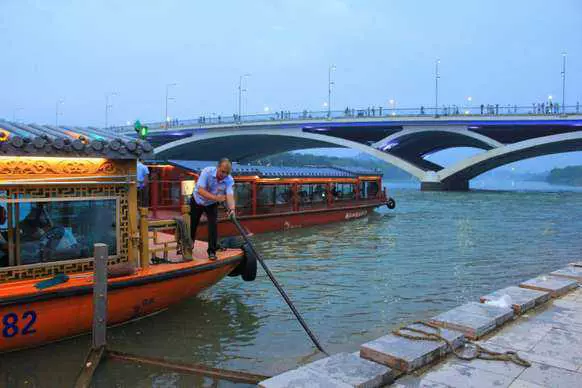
(352, 281)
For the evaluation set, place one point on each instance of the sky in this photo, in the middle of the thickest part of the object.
(506, 52)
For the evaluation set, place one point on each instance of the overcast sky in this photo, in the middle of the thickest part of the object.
(496, 51)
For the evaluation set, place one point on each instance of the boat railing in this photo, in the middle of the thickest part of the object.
(165, 238)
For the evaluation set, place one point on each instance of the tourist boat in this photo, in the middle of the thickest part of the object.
(270, 198)
(61, 191)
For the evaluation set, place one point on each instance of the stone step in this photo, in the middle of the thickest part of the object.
(556, 286)
(339, 370)
(406, 355)
(570, 272)
(474, 319)
(521, 299)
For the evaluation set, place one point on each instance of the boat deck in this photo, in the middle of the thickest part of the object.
(23, 288)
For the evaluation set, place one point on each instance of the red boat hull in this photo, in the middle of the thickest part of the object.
(29, 317)
(284, 221)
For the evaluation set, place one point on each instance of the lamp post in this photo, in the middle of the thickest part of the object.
(436, 87)
(330, 84)
(108, 106)
(240, 92)
(563, 83)
(166, 117)
(14, 113)
(60, 101)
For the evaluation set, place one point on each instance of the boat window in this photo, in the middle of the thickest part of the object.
(46, 231)
(312, 193)
(368, 189)
(343, 191)
(242, 195)
(273, 195)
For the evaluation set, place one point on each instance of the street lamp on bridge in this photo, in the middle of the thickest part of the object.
(563, 83)
(14, 113)
(166, 117)
(108, 106)
(436, 87)
(240, 92)
(330, 84)
(60, 102)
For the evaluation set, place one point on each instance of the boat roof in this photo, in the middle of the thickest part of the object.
(18, 139)
(238, 169)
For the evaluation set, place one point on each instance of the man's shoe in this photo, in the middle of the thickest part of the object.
(212, 256)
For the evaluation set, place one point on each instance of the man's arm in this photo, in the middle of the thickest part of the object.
(230, 196)
(208, 195)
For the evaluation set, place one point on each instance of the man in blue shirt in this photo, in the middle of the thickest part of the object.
(214, 185)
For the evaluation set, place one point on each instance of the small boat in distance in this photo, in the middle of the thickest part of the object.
(272, 198)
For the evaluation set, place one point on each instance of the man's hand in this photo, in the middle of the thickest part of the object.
(230, 213)
(220, 198)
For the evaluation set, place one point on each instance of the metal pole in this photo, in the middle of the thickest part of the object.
(563, 83)
(100, 296)
(329, 86)
(276, 283)
(436, 88)
(239, 98)
(166, 111)
(106, 110)
(329, 93)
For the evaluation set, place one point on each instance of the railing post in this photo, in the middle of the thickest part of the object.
(100, 295)
(186, 250)
(144, 251)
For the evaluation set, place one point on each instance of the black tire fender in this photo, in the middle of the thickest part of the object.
(249, 271)
(391, 203)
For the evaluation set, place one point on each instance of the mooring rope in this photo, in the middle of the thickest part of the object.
(480, 352)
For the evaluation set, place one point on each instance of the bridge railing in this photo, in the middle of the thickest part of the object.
(367, 113)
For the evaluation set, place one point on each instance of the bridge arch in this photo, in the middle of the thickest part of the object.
(419, 141)
(474, 166)
(263, 142)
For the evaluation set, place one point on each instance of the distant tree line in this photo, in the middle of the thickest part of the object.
(302, 160)
(571, 175)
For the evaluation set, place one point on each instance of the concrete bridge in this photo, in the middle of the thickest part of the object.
(403, 142)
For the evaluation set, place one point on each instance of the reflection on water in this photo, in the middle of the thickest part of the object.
(352, 281)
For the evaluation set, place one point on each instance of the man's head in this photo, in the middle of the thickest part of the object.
(223, 168)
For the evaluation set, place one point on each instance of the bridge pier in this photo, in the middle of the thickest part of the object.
(432, 182)
(446, 186)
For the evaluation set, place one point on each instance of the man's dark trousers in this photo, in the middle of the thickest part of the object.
(211, 211)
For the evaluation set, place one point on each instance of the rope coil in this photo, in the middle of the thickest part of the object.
(479, 353)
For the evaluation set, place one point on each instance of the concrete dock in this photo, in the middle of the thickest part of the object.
(540, 319)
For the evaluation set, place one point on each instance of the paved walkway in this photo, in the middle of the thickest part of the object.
(550, 338)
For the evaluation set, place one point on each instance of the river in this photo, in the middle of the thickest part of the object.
(352, 281)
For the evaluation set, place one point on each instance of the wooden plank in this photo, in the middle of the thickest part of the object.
(225, 374)
(92, 361)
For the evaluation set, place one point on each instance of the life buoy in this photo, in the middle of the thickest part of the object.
(391, 204)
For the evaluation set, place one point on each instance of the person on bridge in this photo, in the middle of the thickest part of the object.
(214, 185)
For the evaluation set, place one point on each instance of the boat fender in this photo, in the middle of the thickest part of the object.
(249, 272)
(391, 204)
